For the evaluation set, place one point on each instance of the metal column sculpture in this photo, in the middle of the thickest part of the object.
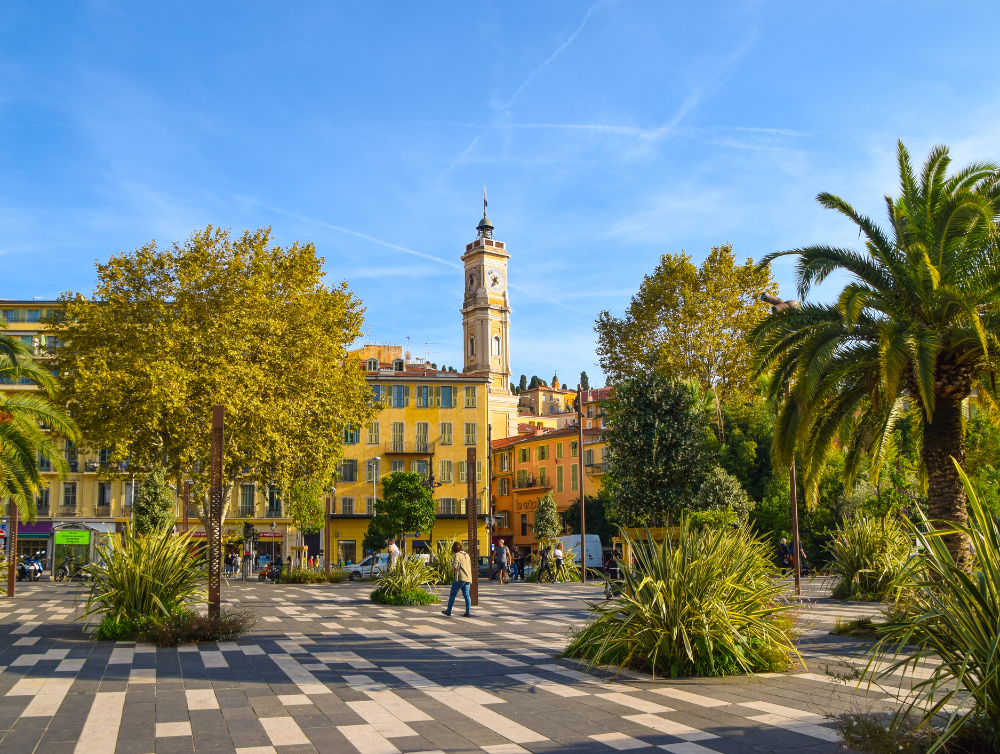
(186, 505)
(472, 509)
(326, 540)
(12, 549)
(215, 515)
(583, 492)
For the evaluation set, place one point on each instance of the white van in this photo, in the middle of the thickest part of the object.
(595, 557)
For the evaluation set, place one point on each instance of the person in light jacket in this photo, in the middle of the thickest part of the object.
(462, 566)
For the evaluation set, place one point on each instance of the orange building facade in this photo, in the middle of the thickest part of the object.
(527, 467)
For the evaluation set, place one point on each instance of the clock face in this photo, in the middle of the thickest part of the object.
(473, 281)
(495, 280)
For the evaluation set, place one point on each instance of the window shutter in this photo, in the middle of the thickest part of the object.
(406, 395)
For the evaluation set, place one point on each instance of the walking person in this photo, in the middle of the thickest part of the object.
(784, 555)
(518, 564)
(393, 553)
(544, 565)
(462, 566)
(503, 559)
(560, 565)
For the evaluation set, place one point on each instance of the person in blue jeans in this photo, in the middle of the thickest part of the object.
(462, 567)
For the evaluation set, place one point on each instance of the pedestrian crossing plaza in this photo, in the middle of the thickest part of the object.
(327, 670)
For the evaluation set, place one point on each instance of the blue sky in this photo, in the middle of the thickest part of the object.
(607, 133)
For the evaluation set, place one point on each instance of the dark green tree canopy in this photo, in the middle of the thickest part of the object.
(153, 507)
(722, 491)
(523, 384)
(584, 381)
(546, 523)
(406, 505)
(657, 448)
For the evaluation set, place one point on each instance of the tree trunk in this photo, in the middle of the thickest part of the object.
(944, 439)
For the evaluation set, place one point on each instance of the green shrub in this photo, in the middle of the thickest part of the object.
(869, 555)
(409, 575)
(339, 575)
(121, 628)
(706, 604)
(410, 597)
(952, 617)
(187, 626)
(302, 576)
(137, 577)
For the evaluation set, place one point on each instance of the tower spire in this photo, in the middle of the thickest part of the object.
(485, 227)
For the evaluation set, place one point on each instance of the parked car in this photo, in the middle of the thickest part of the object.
(373, 565)
(484, 569)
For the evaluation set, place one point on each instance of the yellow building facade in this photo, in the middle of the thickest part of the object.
(430, 420)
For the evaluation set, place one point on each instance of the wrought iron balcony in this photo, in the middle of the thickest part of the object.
(417, 448)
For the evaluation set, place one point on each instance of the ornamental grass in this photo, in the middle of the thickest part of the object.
(953, 618)
(705, 604)
(404, 583)
(140, 577)
(869, 557)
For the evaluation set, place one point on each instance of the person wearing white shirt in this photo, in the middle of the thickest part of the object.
(560, 566)
(393, 552)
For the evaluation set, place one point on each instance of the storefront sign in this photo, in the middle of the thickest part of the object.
(262, 535)
(72, 537)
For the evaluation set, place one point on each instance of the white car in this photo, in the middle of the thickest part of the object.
(373, 565)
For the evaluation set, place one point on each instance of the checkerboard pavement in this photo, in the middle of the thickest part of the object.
(326, 670)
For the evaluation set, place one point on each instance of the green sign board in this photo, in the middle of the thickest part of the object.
(72, 537)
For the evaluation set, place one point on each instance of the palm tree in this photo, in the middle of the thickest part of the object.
(28, 423)
(913, 333)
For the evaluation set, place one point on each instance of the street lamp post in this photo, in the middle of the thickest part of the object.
(780, 305)
(273, 527)
(375, 460)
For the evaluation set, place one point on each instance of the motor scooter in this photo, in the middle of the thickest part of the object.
(270, 572)
(65, 568)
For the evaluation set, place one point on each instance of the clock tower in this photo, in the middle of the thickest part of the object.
(486, 325)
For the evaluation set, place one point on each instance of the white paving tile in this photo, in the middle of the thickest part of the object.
(100, 731)
(283, 731)
(460, 702)
(620, 742)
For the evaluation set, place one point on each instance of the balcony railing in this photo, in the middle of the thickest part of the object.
(273, 511)
(530, 481)
(67, 510)
(247, 511)
(596, 468)
(423, 448)
(102, 510)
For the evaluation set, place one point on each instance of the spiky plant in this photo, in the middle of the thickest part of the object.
(152, 576)
(913, 332)
(869, 556)
(403, 583)
(707, 604)
(952, 618)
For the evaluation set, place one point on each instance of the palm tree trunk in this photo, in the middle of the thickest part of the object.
(944, 439)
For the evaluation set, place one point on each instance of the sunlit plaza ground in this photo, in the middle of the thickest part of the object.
(326, 670)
